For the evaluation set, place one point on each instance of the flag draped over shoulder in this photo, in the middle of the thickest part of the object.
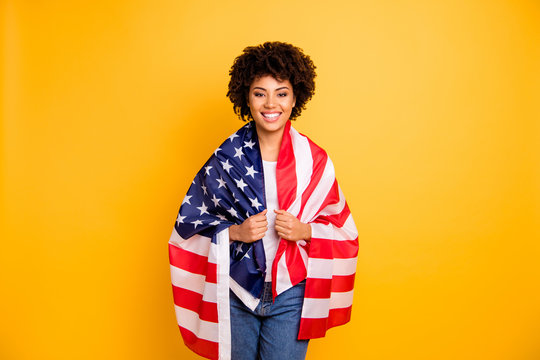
(205, 264)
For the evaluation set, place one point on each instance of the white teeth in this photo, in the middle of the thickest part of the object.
(271, 116)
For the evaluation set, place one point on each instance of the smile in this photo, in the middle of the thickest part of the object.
(271, 116)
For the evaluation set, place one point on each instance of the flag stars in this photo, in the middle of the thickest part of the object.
(238, 153)
(234, 197)
(204, 190)
(215, 222)
(222, 217)
(203, 209)
(207, 169)
(180, 219)
(233, 136)
(233, 212)
(249, 144)
(215, 200)
(196, 222)
(221, 182)
(187, 199)
(226, 166)
(251, 171)
(240, 183)
(255, 203)
(238, 249)
(216, 151)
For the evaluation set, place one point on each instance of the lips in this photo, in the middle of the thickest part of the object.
(271, 116)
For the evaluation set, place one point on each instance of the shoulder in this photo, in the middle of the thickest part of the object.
(319, 155)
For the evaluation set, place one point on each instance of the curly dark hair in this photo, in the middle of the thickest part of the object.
(282, 61)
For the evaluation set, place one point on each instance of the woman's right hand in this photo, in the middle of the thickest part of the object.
(252, 229)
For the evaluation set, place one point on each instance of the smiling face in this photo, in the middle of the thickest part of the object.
(271, 102)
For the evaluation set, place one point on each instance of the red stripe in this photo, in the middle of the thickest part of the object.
(295, 265)
(322, 288)
(316, 328)
(193, 301)
(337, 220)
(332, 197)
(194, 263)
(205, 348)
(333, 249)
(286, 171)
(339, 316)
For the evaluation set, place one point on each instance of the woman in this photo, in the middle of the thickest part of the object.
(263, 253)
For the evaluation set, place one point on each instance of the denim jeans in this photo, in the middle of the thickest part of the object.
(271, 331)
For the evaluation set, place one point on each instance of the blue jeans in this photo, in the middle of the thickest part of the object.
(271, 331)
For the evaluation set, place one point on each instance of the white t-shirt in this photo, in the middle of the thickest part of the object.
(271, 238)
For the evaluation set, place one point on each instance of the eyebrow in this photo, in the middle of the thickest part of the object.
(281, 88)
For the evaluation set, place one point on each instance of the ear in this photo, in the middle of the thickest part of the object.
(294, 101)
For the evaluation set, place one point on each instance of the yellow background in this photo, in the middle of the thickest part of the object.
(429, 110)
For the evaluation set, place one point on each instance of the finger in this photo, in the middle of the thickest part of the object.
(284, 222)
(261, 215)
(260, 224)
(282, 230)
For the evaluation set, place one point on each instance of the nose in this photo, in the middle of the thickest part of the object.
(269, 102)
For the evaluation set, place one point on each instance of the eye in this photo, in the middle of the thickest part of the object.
(258, 94)
(282, 94)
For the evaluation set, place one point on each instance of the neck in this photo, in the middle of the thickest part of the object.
(270, 144)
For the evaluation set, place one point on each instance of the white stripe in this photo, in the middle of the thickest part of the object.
(193, 282)
(304, 168)
(224, 316)
(283, 281)
(320, 308)
(197, 244)
(326, 268)
(190, 320)
(328, 231)
(244, 295)
(319, 194)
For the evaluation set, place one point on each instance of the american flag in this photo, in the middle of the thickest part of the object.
(205, 264)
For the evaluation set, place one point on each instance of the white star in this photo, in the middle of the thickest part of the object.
(180, 219)
(245, 256)
(240, 183)
(233, 212)
(251, 171)
(222, 217)
(215, 200)
(238, 248)
(186, 199)
(204, 190)
(207, 170)
(234, 197)
(255, 203)
(247, 214)
(196, 222)
(216, 151)
(221, 182)
(239, 152)
(215, 222)
(203, 208)
(233, 136)
(249, 144)
(226, 165)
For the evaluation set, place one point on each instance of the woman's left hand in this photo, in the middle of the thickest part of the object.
(290, 228)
